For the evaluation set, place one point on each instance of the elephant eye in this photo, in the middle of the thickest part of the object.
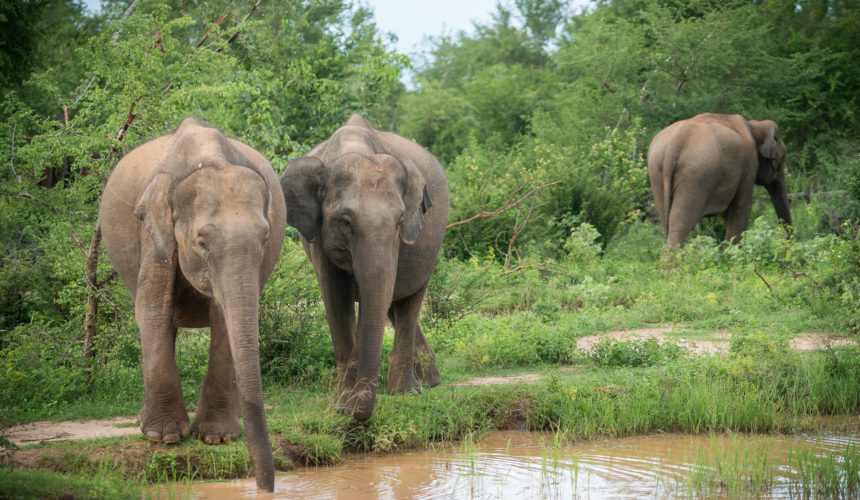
(346, 223)
(201, 244)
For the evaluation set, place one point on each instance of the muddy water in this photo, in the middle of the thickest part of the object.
(521, 465)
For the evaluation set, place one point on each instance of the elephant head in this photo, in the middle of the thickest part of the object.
(212, 213)
(771, 158)
(359, 208)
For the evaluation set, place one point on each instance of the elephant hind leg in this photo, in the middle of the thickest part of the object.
(401, 371)
(425, 360)
(219, 407)
(688, 208)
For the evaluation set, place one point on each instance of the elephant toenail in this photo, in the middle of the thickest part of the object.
(153, 436)
(213, 439)
(171, 438)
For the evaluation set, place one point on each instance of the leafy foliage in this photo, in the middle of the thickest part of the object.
(544, 112)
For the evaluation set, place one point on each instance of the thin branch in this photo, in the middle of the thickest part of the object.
(524, 266)
(209, 31)
(518, 229)
(696, 54)
(796, 274)
(131, 116)
(243, 22)
(507, 206)
(114, 39)
(125, 15)
(12, 155)
(755, 270)
(26, 194)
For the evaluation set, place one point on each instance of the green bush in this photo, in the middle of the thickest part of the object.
(633, 353)
(294, 339)
(518, 339)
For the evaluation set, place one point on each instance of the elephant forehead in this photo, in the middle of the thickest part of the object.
(215, 189)
(364, 174)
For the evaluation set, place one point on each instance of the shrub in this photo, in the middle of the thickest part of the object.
(633, 353)
(294, 339)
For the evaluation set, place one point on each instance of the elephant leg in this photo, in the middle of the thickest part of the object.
(163, 416)
(401, 371)
(425, 360)
(737, 216)
(336, 288)
(219, 407)
(688, 208)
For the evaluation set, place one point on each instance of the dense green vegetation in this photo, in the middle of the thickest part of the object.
(543, 111)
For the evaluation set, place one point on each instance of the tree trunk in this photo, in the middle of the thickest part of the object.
(91, 321)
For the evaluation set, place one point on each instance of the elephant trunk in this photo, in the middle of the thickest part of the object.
(240, 301)
(375, 273)
(779, 197)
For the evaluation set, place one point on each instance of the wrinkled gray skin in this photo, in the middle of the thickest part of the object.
(708, 165)
(371, 208)
(193, 223)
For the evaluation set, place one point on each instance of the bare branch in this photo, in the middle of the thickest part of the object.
(695, 58)
(131, 116)
(518, 229)
(755, 270)
(125, 15)
(209, 31)
(525, 266)
(504, 208)
(248, 16)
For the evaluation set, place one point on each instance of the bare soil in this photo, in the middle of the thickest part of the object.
(46, 431)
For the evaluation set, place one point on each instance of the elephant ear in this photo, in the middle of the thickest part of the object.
(301, 184)
(768, 147)
(417, 201)
(154, 209)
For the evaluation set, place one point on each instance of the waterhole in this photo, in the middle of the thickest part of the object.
(519, 465)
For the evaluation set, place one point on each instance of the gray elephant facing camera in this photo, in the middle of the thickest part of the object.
(193, 222)
(371, 208)
(708, 165)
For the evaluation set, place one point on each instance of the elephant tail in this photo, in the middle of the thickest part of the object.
(670, 163)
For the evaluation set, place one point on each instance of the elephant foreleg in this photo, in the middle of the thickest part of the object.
(163, 416)
(219, 408)
(336, 288)
(401, 371)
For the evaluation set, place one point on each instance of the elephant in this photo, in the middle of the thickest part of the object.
(193, 226)
(708, 165)
(371, 208)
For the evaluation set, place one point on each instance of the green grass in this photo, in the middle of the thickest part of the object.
(37, 484)
(621, 388)
(750, 469)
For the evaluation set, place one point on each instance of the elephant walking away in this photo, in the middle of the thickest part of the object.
(193, 223)
(371, 208)
(708, 165)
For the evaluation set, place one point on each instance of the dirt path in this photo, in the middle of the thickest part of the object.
(45, 431)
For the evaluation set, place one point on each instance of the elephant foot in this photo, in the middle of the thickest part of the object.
(358, 400)
(213, 429)
(425, 368)
(167, 426)
(402, 379)
(428, 374)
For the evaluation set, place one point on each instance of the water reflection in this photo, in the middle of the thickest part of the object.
(518, 465)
